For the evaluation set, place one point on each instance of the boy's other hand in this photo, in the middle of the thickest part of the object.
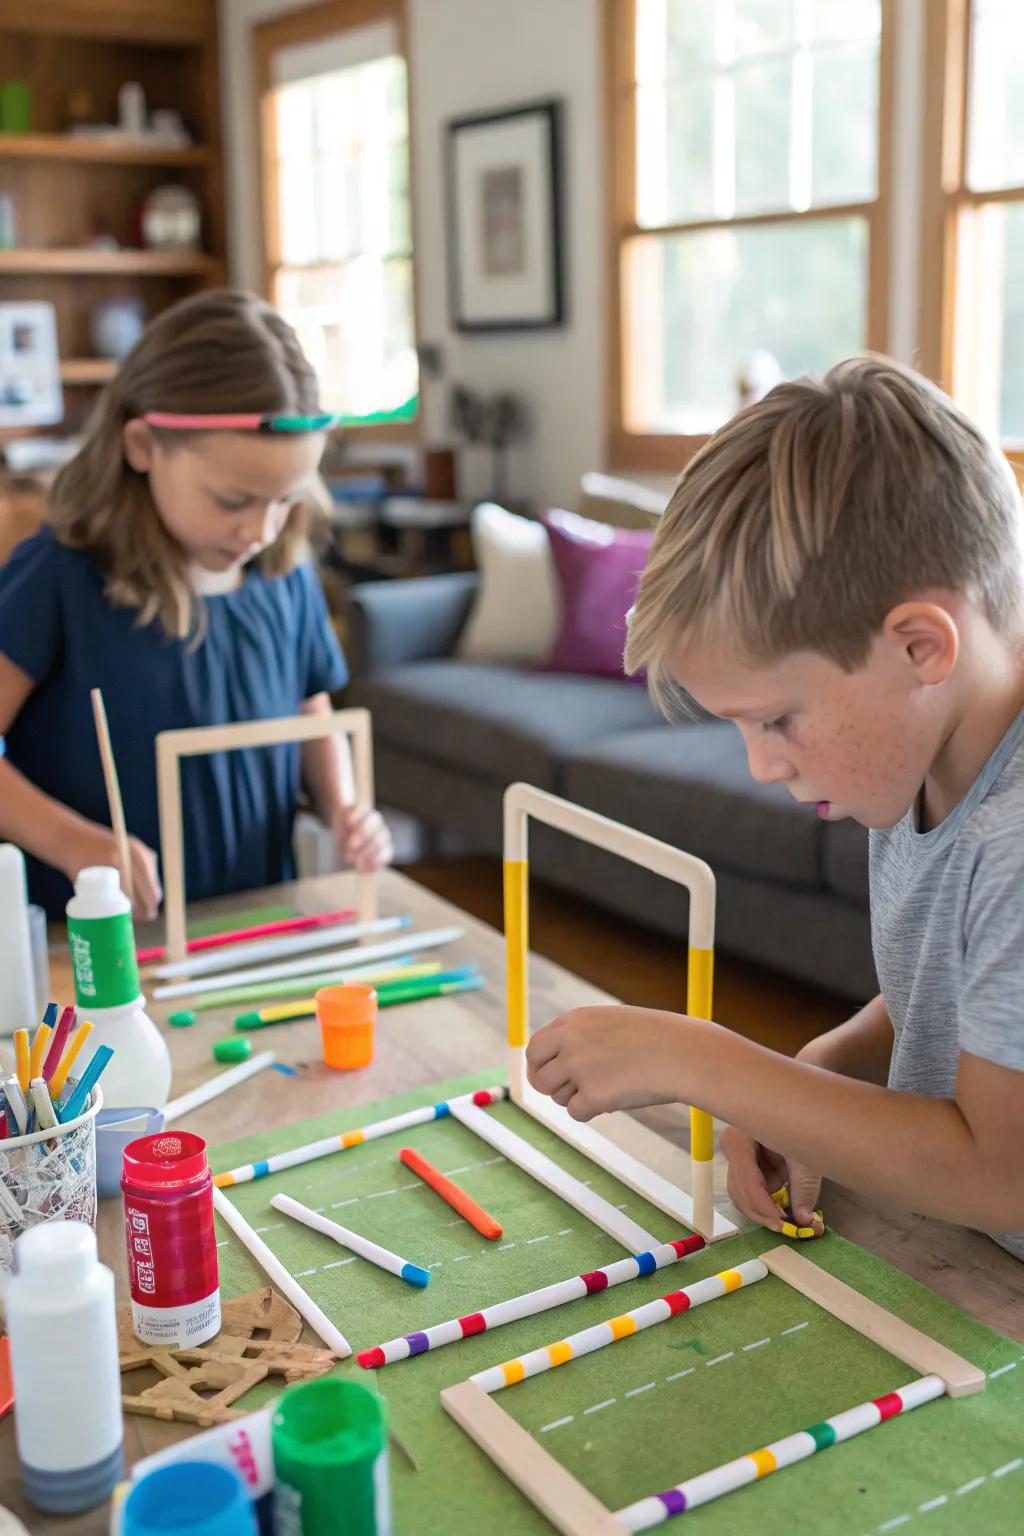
(592, 1060)
(362, 838)
(95, 845)
(755, 1171)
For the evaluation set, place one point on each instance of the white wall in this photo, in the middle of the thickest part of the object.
(467, 56)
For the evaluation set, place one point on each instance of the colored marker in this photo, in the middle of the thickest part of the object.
(59, 1041)
(438, 988)
(457, 1198)
(383, 1257)
(68, 1060)
(254, 931)
(39, 1044)
(17, 1106)
(46, 1118)
(305, 985)
(4, 1128)
(21, 1056)
(305, 1008)
(79, 1096)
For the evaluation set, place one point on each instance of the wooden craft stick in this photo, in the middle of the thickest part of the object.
(117, 821)
(658, 1507)
(275, 947)
(601, 1212)
(457, 1198)
(346, 1139)
(275, 1270)
(530, 1304)
(215, 1086)
(538, 1476)
(406, 945)
(413, 1274)
(908, 1344)
(614, 1328)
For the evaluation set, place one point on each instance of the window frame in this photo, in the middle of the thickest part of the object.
(668, 452)
(314, 24)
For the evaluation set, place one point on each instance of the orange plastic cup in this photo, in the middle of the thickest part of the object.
(346, 1016)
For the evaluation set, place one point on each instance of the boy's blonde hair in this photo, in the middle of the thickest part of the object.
(807, 518)
(220, 351)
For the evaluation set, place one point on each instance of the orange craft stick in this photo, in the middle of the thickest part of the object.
(456, 1197)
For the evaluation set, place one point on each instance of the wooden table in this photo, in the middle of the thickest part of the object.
(468, 1036)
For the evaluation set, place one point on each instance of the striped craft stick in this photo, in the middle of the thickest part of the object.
(614, 1328)
(658, 1507)
(346, 1139)
(530, 1304)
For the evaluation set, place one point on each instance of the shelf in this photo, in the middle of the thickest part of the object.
(60, 146)
(87, 370)
(141, 263)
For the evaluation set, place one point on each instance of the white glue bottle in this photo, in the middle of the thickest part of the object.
(18, 1002)
(102, 941)
(64, 1363)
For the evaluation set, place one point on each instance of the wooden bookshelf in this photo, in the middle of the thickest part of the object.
(70, 190)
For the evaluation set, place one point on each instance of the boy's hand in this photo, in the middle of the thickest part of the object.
(755, 1171)
(92, 844)
(592, 1060)
(362, 838)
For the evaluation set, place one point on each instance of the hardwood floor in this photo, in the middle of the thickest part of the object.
(632, 963)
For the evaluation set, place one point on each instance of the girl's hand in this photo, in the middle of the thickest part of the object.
(362, 837)
(756, 1171)
(592, 1060)
(92, 844)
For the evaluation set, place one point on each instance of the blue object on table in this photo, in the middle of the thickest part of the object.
(189, 1498)
(79, 1097)
(115, 1128)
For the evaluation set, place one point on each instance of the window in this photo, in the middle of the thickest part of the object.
(976, 321)
(335, 153)
(748, 204)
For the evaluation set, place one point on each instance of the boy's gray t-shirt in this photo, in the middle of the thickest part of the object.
(947, 927)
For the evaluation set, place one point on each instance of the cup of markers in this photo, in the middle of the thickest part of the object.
(48, 1128)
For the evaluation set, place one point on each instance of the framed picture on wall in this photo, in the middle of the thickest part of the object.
(505, 220)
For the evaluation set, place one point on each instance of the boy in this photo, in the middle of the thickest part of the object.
(841, 572)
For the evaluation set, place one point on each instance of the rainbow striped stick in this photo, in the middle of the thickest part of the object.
(614, 1328)
(346, 1139)
(530, 1304)
(658, 1507)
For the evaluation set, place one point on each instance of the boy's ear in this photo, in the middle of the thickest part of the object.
(137, 445)
(927, 636)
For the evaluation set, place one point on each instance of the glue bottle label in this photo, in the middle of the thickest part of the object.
(103, 956)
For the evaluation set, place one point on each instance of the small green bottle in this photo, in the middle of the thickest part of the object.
(330, 1442)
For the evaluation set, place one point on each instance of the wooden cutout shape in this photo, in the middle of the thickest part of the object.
(179, 1397)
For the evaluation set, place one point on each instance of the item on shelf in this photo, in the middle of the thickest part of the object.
(8, 222)
(492, 421)
(171, 220)
(115, 326)
(439, 480)
(166, 125)
(30, 393)
(79, 109)
(131, 109)
(15, 106)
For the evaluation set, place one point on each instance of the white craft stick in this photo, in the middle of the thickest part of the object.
(286, 1283)
(232, 956)
(215, 1086)
(601, 1212)
(624, 1326)
(414, 1274)
(406, 945)
(343, 1140)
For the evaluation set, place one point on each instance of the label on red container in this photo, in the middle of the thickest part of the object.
(172, 1270)
(177, 1327)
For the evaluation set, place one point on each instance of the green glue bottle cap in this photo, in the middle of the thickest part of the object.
(234, 1048)
(248, 1021)
(330, 1441)
(182, 1019)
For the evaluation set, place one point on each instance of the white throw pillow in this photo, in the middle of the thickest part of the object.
(516, 614)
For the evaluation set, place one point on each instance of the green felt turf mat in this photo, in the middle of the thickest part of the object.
(228, 922)
(655, 1408)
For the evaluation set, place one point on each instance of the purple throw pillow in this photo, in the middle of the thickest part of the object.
(598, 569)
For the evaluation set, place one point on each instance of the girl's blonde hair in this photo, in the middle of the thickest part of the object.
(807, 518)
(220, 351)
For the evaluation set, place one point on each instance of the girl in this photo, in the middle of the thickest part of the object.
(173, 574)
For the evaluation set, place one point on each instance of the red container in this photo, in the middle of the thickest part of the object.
(172, 1245)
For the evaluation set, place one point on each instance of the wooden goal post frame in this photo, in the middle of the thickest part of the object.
(523, 801)
(574, 1511)
(199, 741)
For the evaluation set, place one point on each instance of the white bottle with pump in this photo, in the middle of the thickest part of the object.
(102, 941)
(64, 1362)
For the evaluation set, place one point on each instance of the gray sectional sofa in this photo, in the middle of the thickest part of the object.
(449, 736)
